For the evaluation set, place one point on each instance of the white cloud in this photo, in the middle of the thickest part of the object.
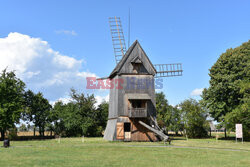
(40, 67)
(67, 32)
(100, 99)
(158, 90)
(31, 74)
(65, 61)
(86, 74)
(64, 100)
(197, 92)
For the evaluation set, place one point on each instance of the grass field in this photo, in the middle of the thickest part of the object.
(97, 152)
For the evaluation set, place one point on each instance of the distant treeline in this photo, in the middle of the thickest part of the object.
(76, 118)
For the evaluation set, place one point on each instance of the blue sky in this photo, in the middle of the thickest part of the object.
(192, 32)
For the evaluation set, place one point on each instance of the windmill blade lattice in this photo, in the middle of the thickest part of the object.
(117, 38)
(168, 70)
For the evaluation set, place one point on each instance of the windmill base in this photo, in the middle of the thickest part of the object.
(128, 129)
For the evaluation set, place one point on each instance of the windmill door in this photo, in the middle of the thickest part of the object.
(127, 132)
(120, 130)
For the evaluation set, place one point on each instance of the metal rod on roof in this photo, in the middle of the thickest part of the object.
(128, 27)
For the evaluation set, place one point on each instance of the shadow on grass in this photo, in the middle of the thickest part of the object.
(26, 138)
(174, 138)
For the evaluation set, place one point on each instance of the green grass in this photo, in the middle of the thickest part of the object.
(97, 152)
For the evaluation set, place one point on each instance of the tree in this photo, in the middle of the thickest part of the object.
(241, 114)
(42, 109)
(80, 116)
(37, 110)
(176, 120)
(225, 94)
(23, 128)
(168, 117)
(194, 118)
(84, 113)
(27, 114)
(102, 117)
(11, 100)
(56, 117)
(163, 111)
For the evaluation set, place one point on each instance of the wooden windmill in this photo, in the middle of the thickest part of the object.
(132, 108)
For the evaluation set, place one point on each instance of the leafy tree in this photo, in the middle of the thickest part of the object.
(102, 117)
(11, 100)
(27, 114)
(55, 123)
(23, 128)
(241, 114)
(168, 117)
(80, 116)
(84, 113)
(42, 111)
(227, 99)
(194, 118)
(163, 111)
(37, 110)
(57, 116)
(176, 120)
(73, 120)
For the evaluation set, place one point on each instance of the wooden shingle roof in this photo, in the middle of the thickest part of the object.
(126, 56)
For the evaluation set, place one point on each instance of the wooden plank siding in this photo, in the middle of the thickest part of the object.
(120, 130)
(134, 87)
(140, 133)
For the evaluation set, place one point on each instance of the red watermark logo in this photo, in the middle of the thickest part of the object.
(124, 83)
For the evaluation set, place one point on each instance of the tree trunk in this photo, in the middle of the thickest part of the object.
(225, 131)
(51, 133)
(43, 131)
(2, 135)
(34, 131)
(40, 131)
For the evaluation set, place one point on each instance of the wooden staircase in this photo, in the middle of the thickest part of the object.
(158, 132)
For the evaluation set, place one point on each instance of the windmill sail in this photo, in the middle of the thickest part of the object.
(168, 70)
(117, 38)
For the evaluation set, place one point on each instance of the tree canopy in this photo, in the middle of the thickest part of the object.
(163, 111)
(227, 97)
(188, 116)
(11, 100)
(194, 118)
(37, 110)
(168, 117)
(80, 116)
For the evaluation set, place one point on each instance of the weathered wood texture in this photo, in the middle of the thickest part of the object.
(126, 67)
(120, 130)
(119, 101)
(137, 82)
(110, 130)
(140, 133)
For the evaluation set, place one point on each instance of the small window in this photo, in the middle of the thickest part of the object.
(136, 68)
(137, 103)
(127, 127)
